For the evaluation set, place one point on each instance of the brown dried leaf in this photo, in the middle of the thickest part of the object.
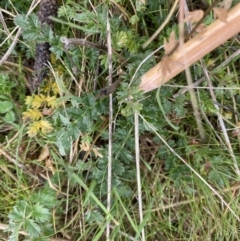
(44, 153)
(97, 153)
(194, 17)
(171, 44)
(84, 146)
(47, 111)
(49, 165)
(221, 14)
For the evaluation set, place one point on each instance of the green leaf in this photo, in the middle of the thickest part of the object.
(45, 197)
(9, 117)
(32, 228)
(20, 211)
(40, 214)
(134, 19)
(13, 237)
(21, 21)
(5, 106)
(63, 142)
(94, 216)
(65, 121)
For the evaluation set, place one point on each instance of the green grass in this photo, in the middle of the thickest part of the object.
(54, 184)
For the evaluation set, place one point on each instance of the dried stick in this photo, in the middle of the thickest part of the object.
(200, 45)
(110, 129)
(82, 42)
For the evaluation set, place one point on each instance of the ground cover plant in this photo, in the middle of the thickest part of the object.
(83, 161)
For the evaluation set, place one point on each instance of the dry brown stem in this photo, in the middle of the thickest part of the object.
(193, 50)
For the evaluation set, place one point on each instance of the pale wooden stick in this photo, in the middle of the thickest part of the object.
(200, 45)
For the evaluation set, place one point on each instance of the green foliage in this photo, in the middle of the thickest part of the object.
(7, 112)
(33, 215)
(31, 26)
(173, 196)
(81, 119)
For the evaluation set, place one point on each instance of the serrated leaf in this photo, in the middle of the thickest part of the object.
(21, 21)
(93, 216)
(85, 17)
(45, 197)
(65, 121)
(33, 129)
(52, 101)
(63, 142)
(40, 214)
(35, 101)
(32, 228)
(46, 126)
(13, 237)
(32, 35)
(32, 114)
(16, 215)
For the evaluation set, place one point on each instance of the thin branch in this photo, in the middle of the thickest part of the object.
(109, 178)
(183, 11)
(81, 42)
(139, 187)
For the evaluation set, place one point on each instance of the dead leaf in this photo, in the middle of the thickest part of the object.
(97, 153)
(44, 153)
(170, 44)
(47, 111)
(84, 146)
(32, 114)
(49, 165)
(221, 14)
(194, 17)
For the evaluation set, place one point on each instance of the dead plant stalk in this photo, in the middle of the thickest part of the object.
(193, 50)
